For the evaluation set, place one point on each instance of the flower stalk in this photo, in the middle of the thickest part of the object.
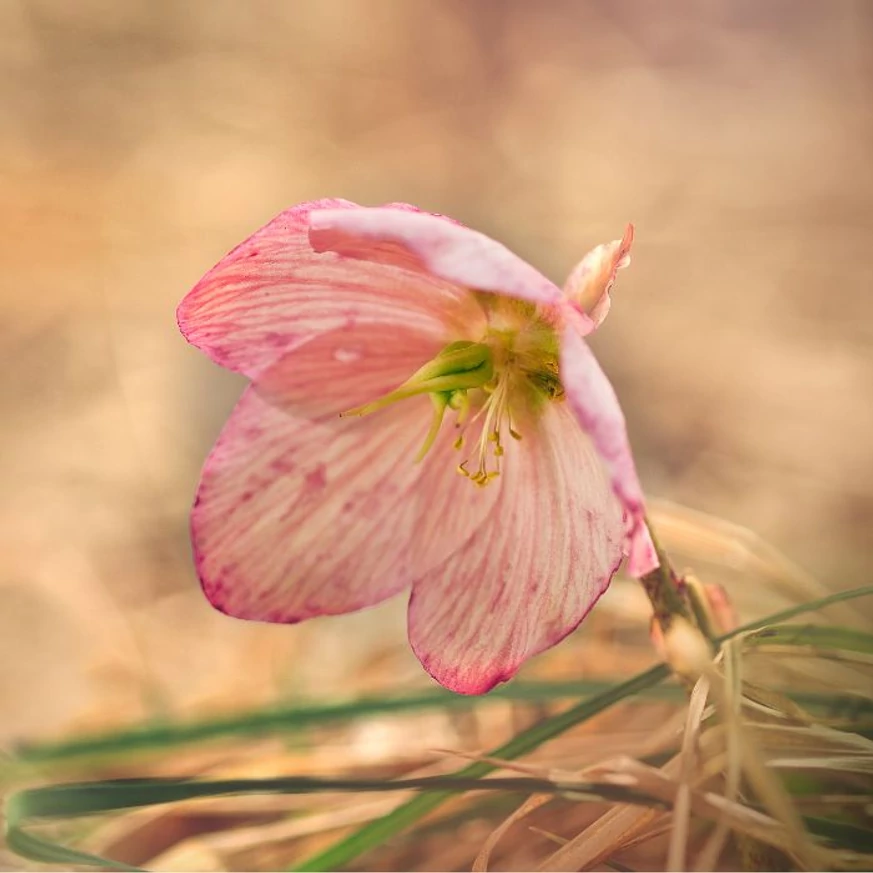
(663, 590)
(678, 599)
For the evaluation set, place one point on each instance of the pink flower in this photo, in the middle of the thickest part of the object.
(424, 412)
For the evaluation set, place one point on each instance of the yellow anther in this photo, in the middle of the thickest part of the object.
(458, 444)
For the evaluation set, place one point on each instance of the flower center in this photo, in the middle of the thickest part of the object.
(490, 385)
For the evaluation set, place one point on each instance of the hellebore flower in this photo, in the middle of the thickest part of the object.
(424, 413)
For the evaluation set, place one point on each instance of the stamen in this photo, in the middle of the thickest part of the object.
(439, 401)
(496, 413)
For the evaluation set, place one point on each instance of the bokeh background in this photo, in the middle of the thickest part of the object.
(141, 139)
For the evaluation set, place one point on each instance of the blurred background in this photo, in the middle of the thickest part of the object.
(141, 139)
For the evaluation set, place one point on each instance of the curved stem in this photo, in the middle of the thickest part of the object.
(662, 588)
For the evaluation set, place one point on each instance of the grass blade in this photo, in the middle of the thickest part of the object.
(90, 798)
(819, 636)
(274, 719)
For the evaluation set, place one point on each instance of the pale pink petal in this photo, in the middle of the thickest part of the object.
(642, 558)
(592, 399)
(433, 245)
(335, 371)
(589, 284)
(295, 518)
(274, 291)
(449, 508)
(538, 563)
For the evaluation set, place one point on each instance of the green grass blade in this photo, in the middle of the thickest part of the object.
(801, 609)
(818, 636)
(76, 799)
(37, 849)
(291, 718)
(89, 798)
(842, 834)
(286, 720)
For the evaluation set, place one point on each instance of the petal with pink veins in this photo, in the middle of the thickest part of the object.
(538, 563)
(449, 508)
(593, 401)
(344, 368)
(295, 518)
(434, 246)
(274, 291)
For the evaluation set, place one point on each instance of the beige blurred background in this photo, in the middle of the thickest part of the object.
(141, 139)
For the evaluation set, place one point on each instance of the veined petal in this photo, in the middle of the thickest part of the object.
(538, 563)
(344, 368)
(592, 400)
(433, 245)
(449, 509)
(589, 284)
(295, 518)
(274, 291)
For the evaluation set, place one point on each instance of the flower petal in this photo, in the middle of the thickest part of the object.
(589, 284)
(295, 518)
(450, 508)
(338, 370)
(539, 562)
(433, 245)
(592, 400)
(274, 291)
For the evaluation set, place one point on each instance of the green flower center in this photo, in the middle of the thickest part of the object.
(505, 378)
